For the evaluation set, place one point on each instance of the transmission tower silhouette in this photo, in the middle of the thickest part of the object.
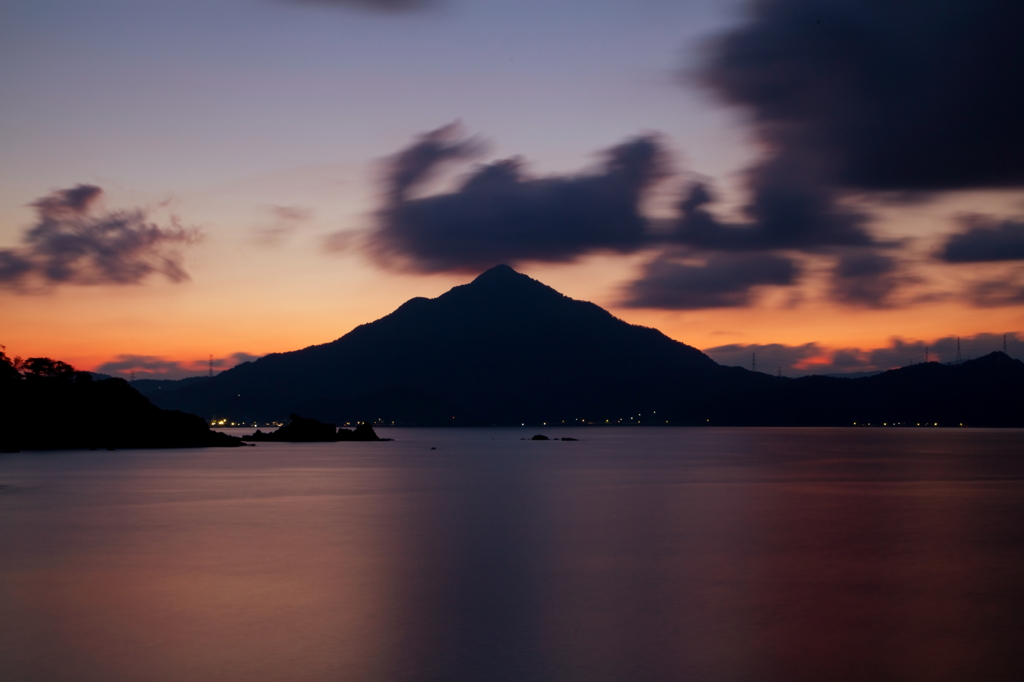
(211, 365)
(959, 359)
(753, 362)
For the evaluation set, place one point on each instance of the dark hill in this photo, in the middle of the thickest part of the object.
(506, 349)
(988, 391)
(47, 405)
(501, 349)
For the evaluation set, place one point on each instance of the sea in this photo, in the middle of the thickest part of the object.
(630, 554)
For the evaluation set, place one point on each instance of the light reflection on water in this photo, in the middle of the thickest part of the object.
(631, 555)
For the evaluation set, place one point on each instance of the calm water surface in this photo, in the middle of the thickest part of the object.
(631, 555)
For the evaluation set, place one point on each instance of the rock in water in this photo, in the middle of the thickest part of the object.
(303, 430)
(363, 432)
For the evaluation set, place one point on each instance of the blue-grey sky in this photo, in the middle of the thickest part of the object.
(177, 96)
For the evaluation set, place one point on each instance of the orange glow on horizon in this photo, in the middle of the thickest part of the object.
(223, 313)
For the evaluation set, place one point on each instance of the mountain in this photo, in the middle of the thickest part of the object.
(506, 349)
(502, 349)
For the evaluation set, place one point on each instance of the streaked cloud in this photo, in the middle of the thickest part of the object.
(158, 367)
(501, 214)
(899, 96)
(985, 239)
(996, 292)
(815, 358)
(284, 222)
(790, 208)
(723, 281)
(71, 244)
(858, 98)
(866, 279)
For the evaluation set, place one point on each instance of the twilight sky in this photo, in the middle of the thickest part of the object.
(834, 184)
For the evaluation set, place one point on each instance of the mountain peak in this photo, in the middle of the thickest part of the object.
(500, 273)
(502, 282)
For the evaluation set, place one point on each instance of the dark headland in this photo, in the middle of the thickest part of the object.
(47, 405)
(507, 350)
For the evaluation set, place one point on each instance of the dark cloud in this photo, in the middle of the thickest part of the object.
(239, 358)
(789, 209)
(985, 239)
(724, 281)
(374, 5)
(499, 214)
(770, 357)
(981, 344)
(896, 99)
(848, 360)
(902, 352)
(997, 292)
(70, 245)
(156, 367)
(13, 266)
(909, 95)
(146, 367)
(418, 162)
(812, 358)
(68, 202)
(866, 279)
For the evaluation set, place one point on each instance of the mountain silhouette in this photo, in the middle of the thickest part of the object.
(502, 349)
(507, 349)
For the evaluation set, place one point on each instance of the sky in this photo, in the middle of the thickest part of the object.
(832, 185)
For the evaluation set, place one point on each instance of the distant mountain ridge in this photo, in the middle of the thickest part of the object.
(507, 349)
(148, 387)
